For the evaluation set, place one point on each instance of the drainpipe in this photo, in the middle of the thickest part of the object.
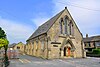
(82, 46)
(82, 49)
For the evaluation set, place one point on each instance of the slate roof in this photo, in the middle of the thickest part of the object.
(46, 26)
(93, 38)
(12, 45)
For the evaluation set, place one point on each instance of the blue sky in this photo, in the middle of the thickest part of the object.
(20, 18)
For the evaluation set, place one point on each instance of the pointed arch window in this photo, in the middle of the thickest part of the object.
(71, 29)
(61, 25)
(42, 44)
(66, 24)
(36, 45)
(32, 44)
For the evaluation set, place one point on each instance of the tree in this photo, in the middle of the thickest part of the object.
(3, 40)
(4, 43)
(1, 45)
(2, 33)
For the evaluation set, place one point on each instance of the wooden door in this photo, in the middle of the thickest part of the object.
(68, 51)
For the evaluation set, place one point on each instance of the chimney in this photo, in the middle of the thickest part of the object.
(86, 35)
(65, 7)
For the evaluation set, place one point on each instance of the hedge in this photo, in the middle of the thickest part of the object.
(95, 53)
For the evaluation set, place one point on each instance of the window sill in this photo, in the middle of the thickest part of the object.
(65, 35)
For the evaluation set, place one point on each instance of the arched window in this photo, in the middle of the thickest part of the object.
(71, 29)
(42, 44)
(66, 24)
(32, 44)
(36, 45)
(61, 25)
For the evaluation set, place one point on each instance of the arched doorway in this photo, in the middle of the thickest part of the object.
(67, 48)
(67, 51)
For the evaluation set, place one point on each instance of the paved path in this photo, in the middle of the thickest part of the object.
(28, 61)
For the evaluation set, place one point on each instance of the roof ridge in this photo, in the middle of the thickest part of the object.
(45, 26)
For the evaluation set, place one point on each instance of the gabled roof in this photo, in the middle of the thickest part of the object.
(46, 26)
(93, 38)
(12, 45)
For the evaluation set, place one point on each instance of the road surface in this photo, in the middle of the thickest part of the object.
(29, 61)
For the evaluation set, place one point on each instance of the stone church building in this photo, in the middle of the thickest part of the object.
(59, 37)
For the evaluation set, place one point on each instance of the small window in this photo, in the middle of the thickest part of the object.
(18, 47)
(36, 45)
(85, 45)
(37, 42)
(89, 44)
(55, 45)
(42, 44)
(33, 43)
(61, 19)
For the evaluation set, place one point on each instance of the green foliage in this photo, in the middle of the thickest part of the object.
(1, 45)
(4, 43)
(96, 51)
(2, 33)
(3, 40)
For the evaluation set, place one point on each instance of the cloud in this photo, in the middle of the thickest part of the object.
(86, 18)
(16, 31)
(39, 19)
(83, 11)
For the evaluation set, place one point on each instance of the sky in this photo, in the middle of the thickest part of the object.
(20, 18)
